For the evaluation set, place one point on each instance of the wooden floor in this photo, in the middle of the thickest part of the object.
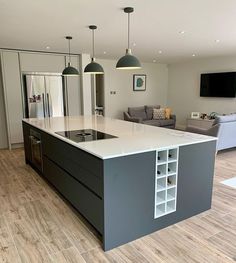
(37, 225)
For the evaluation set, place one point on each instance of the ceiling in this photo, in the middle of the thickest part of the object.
(155, 26)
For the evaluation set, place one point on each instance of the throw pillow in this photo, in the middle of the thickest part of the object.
(149, 110)
(168, 113)
(159, 114)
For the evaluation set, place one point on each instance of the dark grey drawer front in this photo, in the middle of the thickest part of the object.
(84, 167)
(87, 203)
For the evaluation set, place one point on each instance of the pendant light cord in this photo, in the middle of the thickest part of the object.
(128, 30)
(69, 52)
(93, 44)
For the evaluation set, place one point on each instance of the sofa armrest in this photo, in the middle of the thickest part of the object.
(213, 131)
(127, 117)
(198, 130)
(173, 117)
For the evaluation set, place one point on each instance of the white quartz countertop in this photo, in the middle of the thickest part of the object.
(132, 137)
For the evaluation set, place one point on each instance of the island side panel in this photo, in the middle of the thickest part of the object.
(129, 192)
(26, 134)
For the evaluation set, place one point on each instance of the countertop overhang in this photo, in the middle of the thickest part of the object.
(132, 138)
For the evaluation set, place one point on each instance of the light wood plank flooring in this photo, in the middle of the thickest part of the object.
(37, 225)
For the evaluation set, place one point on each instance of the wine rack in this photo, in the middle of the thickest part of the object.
(166, 176)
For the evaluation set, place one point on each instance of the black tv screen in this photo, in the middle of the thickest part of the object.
(218, 85)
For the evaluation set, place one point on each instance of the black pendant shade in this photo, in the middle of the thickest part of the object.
(69, 70)
(128, 61)
(93, 67)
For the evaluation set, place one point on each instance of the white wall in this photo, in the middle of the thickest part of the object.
(184, 87)
(121, 81)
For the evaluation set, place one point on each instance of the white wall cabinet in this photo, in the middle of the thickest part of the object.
(86, 85)
(12, 95)
(73, 90)
(33, 62)
(3, 123)
(15, 63)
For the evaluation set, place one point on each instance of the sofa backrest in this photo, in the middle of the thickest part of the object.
(225, 118)
(227, 131)
(149, 110)
(138, 112)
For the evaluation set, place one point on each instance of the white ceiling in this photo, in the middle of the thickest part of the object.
(155, 25)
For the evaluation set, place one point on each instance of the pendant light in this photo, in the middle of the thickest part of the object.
(69, 70)
(128, 61)
(93, 67)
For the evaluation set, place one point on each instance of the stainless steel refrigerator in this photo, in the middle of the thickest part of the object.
(44, 96)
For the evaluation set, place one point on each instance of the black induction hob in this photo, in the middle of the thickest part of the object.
(85, 135)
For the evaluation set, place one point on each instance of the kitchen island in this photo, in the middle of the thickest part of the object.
(127, 179)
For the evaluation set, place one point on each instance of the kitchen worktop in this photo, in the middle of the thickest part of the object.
(132, 137)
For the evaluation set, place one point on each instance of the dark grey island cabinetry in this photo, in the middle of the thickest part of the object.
(123, 193)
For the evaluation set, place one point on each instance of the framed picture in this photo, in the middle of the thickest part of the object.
(139, 82)
(195, 115)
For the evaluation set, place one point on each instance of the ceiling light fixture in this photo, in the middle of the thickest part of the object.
(69, 70)
(193, 55)
(128, 61)
(160, 51)
(182, 32)
(217, 40)
(154, 61)
(47, 47)
(93, 67)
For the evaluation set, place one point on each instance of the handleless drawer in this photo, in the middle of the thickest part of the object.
(87, 203)
(84, 167)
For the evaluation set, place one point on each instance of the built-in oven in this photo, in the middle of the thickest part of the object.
(36, 150)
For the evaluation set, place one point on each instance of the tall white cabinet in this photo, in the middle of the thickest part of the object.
(74, 95)
(12, 95)
(13, 65)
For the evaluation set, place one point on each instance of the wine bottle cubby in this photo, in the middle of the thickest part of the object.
(166, 181)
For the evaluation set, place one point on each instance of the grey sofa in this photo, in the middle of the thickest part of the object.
(224, 128)
(144, 115)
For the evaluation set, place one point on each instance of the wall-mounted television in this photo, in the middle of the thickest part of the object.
(218, 85)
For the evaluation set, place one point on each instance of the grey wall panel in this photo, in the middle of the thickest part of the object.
(129, 192)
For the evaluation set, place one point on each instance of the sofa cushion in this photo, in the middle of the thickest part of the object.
(166, 122)
(138, 112)
(225, 118)
(152, 122)
(159, 114)
(159, 123)
(149, 110)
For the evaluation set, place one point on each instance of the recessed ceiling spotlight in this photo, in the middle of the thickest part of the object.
(134, 44)
(47, 47)
(154, 61)
(217, 40)
(193, 55)
(104, 52)
(182, 32)
(160, 51)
